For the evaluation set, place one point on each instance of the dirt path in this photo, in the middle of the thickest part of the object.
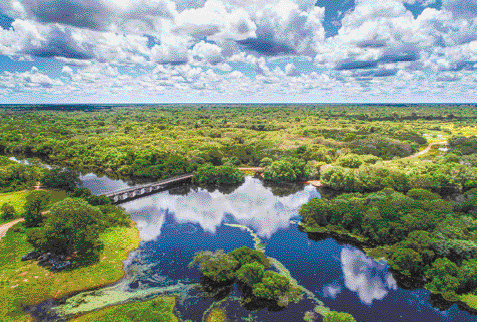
(426, 150)
(256, 169)
(5, 227)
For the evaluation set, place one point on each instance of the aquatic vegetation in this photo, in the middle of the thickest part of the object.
(159, 309)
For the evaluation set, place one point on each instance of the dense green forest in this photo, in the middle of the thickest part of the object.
(163, 141)
(421, 234)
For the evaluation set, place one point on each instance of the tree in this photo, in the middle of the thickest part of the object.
(280, 171)
(338, 317)
(246, 255)
(350, 161)
(443, 274)
(221, 175)
(277, 288)
(65, 179)
(315, 211)
(218, 267)
(8, 211)
(407, 261)
(265, 162)
(36, 203)
(72, 225)
(251, 273)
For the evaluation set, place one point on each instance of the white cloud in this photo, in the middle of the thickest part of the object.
(202, 42)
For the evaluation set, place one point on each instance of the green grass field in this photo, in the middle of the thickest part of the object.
(27, 283)
(470, 299)
(159, 309)
(17, 200)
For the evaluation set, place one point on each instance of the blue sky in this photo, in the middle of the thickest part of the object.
(154, 51)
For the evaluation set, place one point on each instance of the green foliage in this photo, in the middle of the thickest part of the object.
(72, 225)
(275, 287)
(315, 212)
(246, 255)
(218, 267)
(349, 161)
(251, 273)
(65, 179)
(8, 211)
(420, 231)
(36, 203)
(422, 195)
(280, 171)
(15, 177)
(407, 261)
(85, 193)
(338, 317)
(247, 267)
(443, 274)
(217, 175)
(265, 162)
(289, 169)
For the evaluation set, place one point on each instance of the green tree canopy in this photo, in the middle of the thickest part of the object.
(72, 225)
(65, 179)
(8, 211)
(36, 203)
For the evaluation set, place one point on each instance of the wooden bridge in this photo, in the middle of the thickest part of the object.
(140, 191)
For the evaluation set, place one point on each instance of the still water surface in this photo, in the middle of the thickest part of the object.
(176, 224)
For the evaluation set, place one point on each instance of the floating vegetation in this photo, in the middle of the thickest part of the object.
(320, 307)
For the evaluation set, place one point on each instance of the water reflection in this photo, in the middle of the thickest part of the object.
(331, 290)
(251, 204)
(368, 278)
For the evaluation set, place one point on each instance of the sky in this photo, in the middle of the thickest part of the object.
(238, 51)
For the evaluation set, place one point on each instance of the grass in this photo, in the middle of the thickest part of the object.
(17, 200)
(470, 299)
(159, 309)
(26, 283)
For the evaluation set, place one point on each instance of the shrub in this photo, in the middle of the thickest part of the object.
(8, 211)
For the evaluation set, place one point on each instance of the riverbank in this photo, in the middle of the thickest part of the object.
(466, 302)
(25, 283)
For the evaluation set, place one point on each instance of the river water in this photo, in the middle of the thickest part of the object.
(176, 224)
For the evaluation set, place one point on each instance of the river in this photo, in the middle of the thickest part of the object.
(176, 224)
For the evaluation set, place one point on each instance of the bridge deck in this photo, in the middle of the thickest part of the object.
(150, 185)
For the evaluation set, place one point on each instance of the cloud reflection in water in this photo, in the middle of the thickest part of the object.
(251, 204)
(370, 279)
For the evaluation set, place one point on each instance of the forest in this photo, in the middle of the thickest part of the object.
(400, 181)
(162, 141)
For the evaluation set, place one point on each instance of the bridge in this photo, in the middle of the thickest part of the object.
(128, 194)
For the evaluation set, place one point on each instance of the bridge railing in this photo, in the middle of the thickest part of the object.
(165, 181)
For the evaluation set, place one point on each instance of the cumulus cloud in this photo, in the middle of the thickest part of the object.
(461, 8)
(95, 15)
(207, 45)
(30, 80)
(283, 28)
